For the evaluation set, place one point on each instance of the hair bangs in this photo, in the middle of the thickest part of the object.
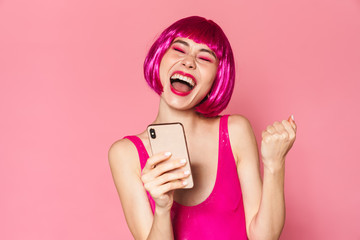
(203, 32)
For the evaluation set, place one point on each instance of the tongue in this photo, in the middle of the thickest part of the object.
(181, 87)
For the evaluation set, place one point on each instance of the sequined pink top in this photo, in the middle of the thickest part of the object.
(221, 215)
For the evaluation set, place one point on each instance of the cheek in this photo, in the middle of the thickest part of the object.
(211, 78)
(211, 74)
(163, 68)
(166, 63)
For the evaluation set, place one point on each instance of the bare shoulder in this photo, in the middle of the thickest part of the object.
(239, 126)
(123, 153)
(241, 135)
(121, 146)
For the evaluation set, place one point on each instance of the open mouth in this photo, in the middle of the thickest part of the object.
(181, 84)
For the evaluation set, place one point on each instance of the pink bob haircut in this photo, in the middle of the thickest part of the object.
(203, 31)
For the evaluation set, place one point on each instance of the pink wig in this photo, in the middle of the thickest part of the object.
(202, 31)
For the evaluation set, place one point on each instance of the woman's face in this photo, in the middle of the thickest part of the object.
(187, 72)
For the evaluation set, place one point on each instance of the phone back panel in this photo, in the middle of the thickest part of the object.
(170, 137)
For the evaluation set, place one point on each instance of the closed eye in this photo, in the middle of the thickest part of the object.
(178, 49)
(205, 59)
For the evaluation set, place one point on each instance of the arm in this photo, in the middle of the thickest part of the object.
(263, 203)
(130, 182)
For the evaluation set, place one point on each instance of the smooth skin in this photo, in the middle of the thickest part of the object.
(264, 202)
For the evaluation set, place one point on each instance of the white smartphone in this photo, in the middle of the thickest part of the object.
(170, 137)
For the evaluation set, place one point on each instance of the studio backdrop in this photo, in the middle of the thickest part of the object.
(71, 83)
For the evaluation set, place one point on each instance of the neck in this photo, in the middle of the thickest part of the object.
(189, 118)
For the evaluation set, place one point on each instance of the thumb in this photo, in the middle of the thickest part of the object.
(292, 122)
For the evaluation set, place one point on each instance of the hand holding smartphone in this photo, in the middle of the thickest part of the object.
(170, 137)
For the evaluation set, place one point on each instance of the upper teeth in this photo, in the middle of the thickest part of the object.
(183, 78)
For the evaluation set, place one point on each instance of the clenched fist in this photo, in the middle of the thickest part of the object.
(276, 142)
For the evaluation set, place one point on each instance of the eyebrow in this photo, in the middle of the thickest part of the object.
(201, 50)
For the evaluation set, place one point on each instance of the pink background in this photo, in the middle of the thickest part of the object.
(72, 83)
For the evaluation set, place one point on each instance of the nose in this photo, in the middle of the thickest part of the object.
(189, 62)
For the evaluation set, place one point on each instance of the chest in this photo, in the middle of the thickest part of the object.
(203, 153)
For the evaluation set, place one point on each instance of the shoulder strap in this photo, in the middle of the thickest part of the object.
(143, 155)
(227, 158)
(224, 125)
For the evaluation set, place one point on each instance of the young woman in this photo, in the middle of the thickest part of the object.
(191, 67)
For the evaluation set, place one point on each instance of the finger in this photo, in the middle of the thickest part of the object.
(156, 159)
(167, 166)
(264, 133)
(171, 176)
(156, 185)
(289, 128)
(173, 185)
(294, 126)
(279, 127)
(266, 136)
(271, 129)
(291, 118)
(292, 122)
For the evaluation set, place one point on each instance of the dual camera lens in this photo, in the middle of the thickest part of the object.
(152, 133)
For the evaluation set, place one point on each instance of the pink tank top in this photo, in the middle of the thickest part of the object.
(221, 214)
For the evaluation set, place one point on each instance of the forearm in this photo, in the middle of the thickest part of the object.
(269, 221)
(161, 227)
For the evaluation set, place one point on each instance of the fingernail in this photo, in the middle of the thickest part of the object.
(291, 118)
(183, 161)
(187, 172)
(184, 182)
(167, 154)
